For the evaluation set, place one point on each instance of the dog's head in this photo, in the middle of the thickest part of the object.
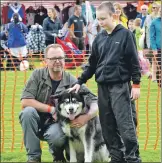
(70, 105)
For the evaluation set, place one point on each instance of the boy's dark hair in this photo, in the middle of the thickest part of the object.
(131, 20)
(108, 6)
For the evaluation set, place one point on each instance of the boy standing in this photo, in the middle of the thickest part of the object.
(114, 62)
(131, 25)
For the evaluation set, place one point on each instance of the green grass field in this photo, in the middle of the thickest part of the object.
(12, 149)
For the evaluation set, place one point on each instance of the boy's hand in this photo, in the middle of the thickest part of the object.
(135, 93)
(76, 87)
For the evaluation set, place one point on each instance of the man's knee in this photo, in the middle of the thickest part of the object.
(27, 113)
(55, 136)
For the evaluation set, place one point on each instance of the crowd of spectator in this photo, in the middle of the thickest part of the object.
(77, 21)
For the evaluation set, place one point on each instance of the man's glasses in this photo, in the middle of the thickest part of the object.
(143, 9)
(54, 59)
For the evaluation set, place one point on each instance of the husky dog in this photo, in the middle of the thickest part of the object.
(86, 143)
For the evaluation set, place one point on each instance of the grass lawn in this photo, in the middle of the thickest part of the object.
(12, 149)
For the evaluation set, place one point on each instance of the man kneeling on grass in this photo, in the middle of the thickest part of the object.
(38, 115)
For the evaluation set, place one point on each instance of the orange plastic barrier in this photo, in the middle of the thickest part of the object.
(13, 80)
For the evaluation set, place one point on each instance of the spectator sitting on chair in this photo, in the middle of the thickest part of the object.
(38, 117)
(76, 25)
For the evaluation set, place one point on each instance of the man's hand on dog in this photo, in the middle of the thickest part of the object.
(80, 121)
(76, 87)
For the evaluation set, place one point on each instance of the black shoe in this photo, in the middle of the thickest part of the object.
(59, 159)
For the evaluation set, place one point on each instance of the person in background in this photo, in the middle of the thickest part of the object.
(16, 42)
(38, 117)
(3, 49)
(155, 42)
(51, 26)
(138, 31)
(130, 11)
(131, 25)
(120, 17)
(76, 26)
(114, 61)
(153, 15)
(143, 14)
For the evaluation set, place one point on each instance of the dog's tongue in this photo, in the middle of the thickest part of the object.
(71, 117)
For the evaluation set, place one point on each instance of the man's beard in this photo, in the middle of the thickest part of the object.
(57, 69)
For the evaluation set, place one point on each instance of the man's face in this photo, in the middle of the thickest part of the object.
(55, 59)
(131, 25)
(144, 10)
(79, 10)
(104, 18)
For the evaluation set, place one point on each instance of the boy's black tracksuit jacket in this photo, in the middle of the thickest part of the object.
(114, 58)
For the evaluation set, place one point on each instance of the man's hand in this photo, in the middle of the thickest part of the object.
(52, 110)
(80, 121)
(76, 87)
(135, 93)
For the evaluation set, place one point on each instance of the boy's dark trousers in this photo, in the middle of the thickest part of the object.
(116, 118)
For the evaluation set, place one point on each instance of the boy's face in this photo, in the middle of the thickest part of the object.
(105, 20)
(131, 25)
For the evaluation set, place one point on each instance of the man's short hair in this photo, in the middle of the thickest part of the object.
(107, 6)
(144, 6)
(53, 46)
(76, 7)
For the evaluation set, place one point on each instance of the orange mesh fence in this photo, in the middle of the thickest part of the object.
(13, 80)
